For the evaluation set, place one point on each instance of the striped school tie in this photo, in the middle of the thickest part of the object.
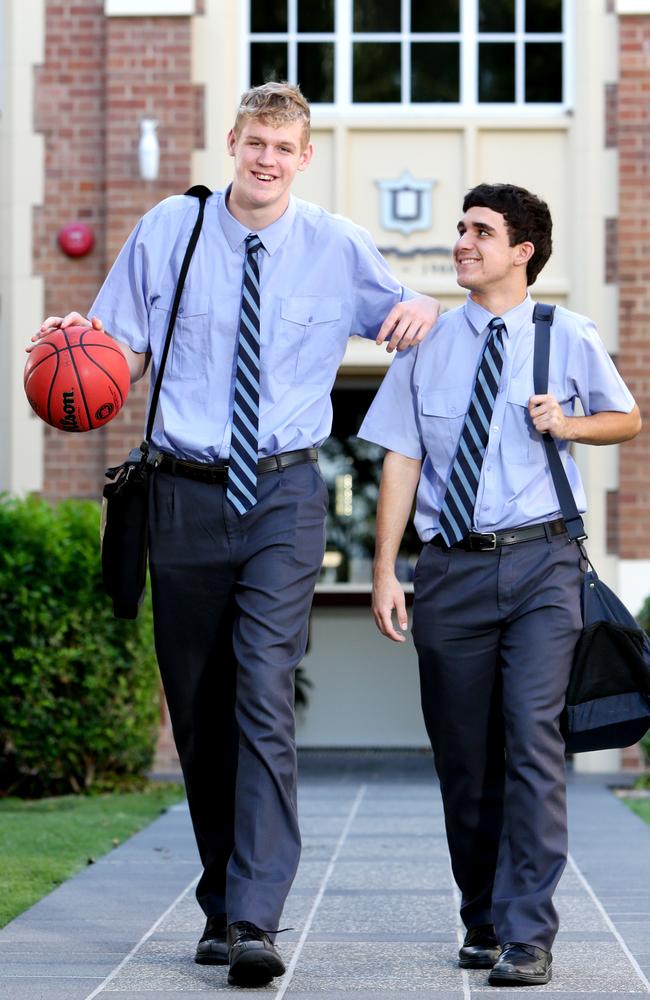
(457, 511)
(241, 491)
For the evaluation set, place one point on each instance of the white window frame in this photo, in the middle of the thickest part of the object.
(468, 38)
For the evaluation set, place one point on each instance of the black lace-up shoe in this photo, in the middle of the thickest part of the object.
(212, 949)
(521, 965)
(254, 959)
(480, 948)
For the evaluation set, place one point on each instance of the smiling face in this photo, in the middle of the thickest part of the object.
(484, 260)
(266, 161)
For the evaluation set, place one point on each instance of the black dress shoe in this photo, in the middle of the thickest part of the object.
(521, 965)
(480, 948)
(254, 959)
(212, 949)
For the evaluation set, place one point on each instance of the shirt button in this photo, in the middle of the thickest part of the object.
(496, 427)
(452, 409)
(310, 319)
(180, 311)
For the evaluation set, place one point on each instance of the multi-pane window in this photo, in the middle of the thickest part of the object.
(412, 52)
(294, 40)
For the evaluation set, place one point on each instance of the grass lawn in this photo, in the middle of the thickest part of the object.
(43, 842)
(640, 806)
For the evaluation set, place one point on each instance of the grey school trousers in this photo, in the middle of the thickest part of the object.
(231, 602)
(495, 634)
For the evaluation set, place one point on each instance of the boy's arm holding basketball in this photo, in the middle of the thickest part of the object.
(137, 362)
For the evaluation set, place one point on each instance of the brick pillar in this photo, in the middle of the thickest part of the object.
(632, 514)
(101, 77)
(634, 277)
(70, 112)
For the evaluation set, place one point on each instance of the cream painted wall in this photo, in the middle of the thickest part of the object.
(21, 188)
(365, 687)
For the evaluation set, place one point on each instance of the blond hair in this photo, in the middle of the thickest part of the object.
(275, 104)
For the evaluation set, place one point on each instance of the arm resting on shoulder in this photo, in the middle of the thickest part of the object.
(399, 481)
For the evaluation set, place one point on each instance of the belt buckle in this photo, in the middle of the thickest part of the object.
(487, 541)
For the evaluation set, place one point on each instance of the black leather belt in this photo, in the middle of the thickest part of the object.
(217, 472)
(490, 540)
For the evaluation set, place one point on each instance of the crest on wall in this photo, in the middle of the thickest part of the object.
(406, 204)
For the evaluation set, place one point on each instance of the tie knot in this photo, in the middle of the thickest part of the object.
(496, 325)
(253, 243)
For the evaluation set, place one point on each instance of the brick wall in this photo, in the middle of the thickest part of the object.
(629, 512)
(634, 277)
(100, 77)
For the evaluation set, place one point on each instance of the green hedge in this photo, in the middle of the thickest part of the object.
(79, 693)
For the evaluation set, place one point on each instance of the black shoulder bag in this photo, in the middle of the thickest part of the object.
(608, 698)
(125, 504)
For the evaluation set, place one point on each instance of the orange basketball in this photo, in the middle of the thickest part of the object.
(77, 379)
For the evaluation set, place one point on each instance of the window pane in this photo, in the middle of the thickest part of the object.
(315, 15)
(268, 62)
(376, 75)
(435, 71)
(316, 71)
(543, 15)
(496, 72)
(377, 15)
(440, 15)
(269, 15)
(544, 72)
(496, 15)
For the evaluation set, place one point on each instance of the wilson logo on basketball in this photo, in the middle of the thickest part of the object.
(69, 422)
(104, 411)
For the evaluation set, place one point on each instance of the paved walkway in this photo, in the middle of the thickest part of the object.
(373, 909)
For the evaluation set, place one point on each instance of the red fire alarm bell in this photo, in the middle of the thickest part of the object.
(76, 239)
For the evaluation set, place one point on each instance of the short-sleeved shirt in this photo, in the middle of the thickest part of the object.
(322, 280)
(420, 408)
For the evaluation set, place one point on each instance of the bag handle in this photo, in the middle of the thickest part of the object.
(201, 192)
(543, 318)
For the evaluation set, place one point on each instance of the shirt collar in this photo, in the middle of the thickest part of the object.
(478, 317)
(271, 237)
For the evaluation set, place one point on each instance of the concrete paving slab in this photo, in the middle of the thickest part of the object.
(372, 911)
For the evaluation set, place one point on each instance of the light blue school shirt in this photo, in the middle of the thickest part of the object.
(421, 404)
(322, 280)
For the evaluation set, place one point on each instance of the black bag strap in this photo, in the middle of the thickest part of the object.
(201, 192)
(543, 318)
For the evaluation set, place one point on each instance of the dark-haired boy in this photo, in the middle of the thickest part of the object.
(497, 585)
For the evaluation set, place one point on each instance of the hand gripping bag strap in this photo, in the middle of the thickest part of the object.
(608, 696)
(202, 193)
(543, 318)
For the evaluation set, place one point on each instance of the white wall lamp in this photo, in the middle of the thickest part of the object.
(148, 150)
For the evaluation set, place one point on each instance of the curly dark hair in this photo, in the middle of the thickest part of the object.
(527, 219)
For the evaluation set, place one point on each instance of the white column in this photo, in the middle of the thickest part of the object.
(21, 189)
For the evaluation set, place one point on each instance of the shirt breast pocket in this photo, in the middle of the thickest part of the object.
(442, 415)
(518, 434)
(304, 349)
(189, 347)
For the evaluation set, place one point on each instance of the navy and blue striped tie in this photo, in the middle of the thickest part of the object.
(457, 513)
(242, 466)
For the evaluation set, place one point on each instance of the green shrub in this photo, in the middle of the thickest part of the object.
(79, 692)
